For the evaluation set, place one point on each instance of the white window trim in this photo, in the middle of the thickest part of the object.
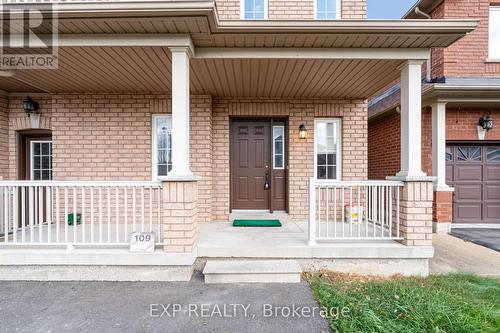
(32, 169)
(338, 121)
(282, 148)
(154, 169)
(491, 56)
(242, 10)
(338, 15)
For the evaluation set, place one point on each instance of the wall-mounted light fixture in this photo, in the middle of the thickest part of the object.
(484, 125)
(30, 108)
(302, 131)
(486, 122)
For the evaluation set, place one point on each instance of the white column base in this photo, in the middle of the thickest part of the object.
(411, 174)
(443, 188)
(412, 178)
(441, 228)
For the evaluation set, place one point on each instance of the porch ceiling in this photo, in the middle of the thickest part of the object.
(148, 69)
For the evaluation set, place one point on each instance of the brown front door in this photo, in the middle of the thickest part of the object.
(474, 171)
(250, 154)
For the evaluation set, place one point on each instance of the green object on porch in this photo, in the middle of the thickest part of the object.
(256, 223)
(71, 218)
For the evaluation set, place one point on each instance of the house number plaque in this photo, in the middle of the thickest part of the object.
(142, 242)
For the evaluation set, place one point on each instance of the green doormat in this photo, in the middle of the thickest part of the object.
(256, 223)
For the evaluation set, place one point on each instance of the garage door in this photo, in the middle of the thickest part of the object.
(474, 171)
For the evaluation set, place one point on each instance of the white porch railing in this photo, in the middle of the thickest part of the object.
(78, 212)
(354, 210)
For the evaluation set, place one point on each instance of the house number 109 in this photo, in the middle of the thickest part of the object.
(142, 237)
(142, 242)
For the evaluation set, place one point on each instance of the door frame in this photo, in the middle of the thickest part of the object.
(271, 173)
(24, 138)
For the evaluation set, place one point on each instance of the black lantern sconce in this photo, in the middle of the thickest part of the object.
(30, 106)
(486, 122)
(302, 131)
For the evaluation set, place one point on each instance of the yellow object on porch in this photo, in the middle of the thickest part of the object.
(354, 214)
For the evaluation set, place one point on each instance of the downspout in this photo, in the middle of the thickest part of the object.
(421, 13)
(428, 62)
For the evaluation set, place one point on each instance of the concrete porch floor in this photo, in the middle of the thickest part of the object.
(221, 239)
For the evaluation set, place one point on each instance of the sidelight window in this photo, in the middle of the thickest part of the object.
(278, 147)
(162, 145)
(327, 143)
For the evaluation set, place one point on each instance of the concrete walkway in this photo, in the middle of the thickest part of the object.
(154, 307)
(453, 254)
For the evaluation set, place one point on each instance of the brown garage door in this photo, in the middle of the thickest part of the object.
(474, 171)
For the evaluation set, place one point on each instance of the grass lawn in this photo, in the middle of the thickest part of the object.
(439, 303)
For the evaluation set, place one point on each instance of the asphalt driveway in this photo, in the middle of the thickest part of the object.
(481, 236)
(157, 307)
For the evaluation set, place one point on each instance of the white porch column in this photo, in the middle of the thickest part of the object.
(411, 117)
(439, 145)
(180, 113)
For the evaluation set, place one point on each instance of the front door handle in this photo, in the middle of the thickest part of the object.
(266, 182)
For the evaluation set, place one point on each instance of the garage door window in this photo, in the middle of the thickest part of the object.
(493, 154)
(449, 154)
(469, 154)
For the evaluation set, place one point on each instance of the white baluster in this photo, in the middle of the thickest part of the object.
(58, 214)
(117, 213)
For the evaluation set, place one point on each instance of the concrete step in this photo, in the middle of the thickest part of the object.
(252, 271)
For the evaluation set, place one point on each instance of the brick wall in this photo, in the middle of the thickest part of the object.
(353, 9)
(228, 9)
(19, 121)
(108, 137)
(301, 165)
(466, 57)
(384, 137)
(461, 123)
(291, 10)
(416, 213)
(437, 54)
(180, 216)
(384, 142)
(4, 137)
(442, 206)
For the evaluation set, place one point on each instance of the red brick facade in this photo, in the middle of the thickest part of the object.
(384, 146)
(384, 142)
(442, 207)
(473, 47)
(384, 138)
(466, 58)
